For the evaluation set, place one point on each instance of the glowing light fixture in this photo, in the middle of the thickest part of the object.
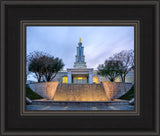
(95, 80)
(117, 79)
(65, 80)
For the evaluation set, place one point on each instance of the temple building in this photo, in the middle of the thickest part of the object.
(80, 74)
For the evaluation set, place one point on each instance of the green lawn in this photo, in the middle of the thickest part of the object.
(32, 95)
(129, 95)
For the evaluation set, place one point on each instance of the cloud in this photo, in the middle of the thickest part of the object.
(99, 42)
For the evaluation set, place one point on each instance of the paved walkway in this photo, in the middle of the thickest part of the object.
(44, 107)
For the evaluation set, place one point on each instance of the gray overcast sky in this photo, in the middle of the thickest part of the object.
(99, 42)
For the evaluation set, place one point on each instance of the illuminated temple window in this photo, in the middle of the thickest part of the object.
(65, 79)
(80, 78)
(117, 79)
(95, 80)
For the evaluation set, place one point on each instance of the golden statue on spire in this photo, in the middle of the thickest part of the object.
(79, 39)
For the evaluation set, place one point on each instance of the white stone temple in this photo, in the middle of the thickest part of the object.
(80, 74)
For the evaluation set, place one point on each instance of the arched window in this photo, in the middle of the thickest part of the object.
(95, 80)
(64, 79)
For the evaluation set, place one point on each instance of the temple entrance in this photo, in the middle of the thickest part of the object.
(80, 76)
(80, 80)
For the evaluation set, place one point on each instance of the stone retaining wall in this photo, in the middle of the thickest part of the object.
(46, 89)
(80, 92)
(115, 90)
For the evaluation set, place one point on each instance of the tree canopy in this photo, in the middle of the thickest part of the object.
(51, 67)
(126, 57)
(44, 65)
(109, 69)
(117, 65)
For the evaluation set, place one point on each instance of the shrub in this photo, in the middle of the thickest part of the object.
(32, 95)
(129, 95)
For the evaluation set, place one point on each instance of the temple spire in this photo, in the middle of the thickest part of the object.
(80, 58)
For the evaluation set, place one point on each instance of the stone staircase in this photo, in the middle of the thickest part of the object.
(80, 92)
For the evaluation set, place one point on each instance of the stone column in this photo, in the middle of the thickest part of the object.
(91, 76)
(77, 51)
(82, 51)
(69, 77)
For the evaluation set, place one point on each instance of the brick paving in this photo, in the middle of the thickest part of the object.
(45, 107)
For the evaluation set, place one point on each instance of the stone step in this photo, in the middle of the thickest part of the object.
(79, 103)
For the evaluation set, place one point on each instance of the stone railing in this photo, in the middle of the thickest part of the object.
(115, 90)
(45, 89)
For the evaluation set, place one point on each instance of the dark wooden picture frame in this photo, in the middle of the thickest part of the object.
(145, 121)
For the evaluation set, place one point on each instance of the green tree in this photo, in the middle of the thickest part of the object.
(51, 67)
(36, 64)
(109, 69)
(44, 65)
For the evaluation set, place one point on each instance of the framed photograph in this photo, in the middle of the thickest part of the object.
(80, 68)
(105, 84)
